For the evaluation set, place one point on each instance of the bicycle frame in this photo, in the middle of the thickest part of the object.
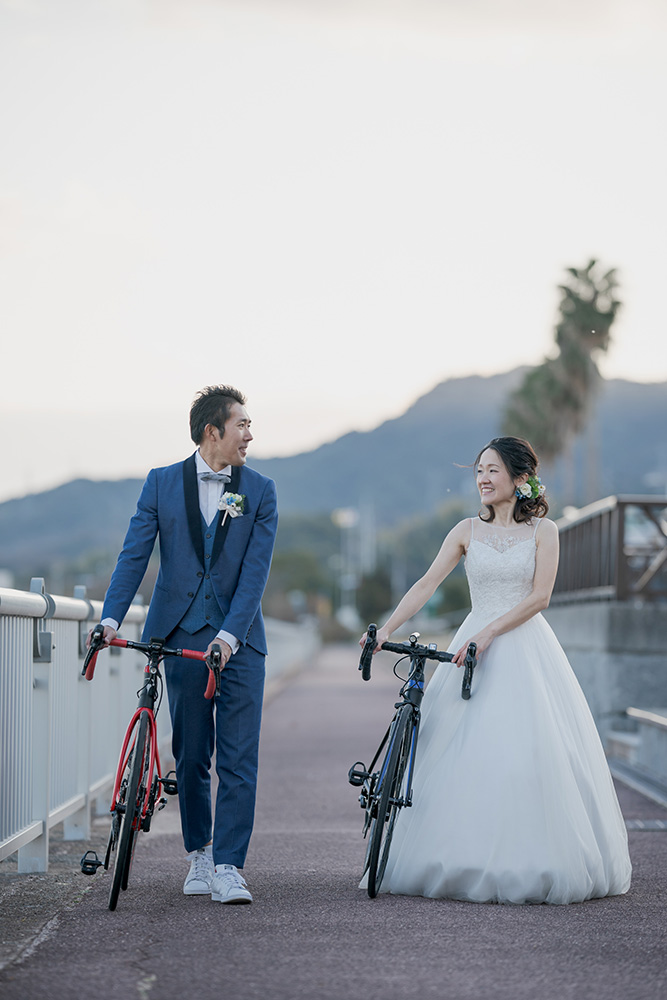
(153, 764)
(412, 693)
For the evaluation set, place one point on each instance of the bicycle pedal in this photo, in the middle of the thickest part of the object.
(169, 785)
(357, 773)
(90, 865)
(161, 803)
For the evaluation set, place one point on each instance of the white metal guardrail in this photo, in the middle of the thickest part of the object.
(59, 734)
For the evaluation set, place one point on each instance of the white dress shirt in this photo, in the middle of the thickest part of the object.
(209, 495)
(209, 492)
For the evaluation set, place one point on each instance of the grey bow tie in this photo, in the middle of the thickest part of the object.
(215, 477)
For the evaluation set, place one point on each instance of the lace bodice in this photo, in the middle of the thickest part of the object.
(500, 566)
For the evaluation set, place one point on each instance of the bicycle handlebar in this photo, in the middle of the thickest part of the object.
(416, 651)
(155, 647)
(425, 651)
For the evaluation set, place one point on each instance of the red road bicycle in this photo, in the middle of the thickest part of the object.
(139, 784)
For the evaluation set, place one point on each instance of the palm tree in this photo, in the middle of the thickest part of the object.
(588, 308)
(543, 408)
(553, 403)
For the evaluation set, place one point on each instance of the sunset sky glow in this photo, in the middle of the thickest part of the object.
(333, 205)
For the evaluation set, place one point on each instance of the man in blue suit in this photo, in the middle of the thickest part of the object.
(213, 570)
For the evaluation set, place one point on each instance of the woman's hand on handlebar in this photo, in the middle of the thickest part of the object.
(483, 640)
(381, 636)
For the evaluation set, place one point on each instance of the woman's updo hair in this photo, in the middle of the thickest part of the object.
(519, 459)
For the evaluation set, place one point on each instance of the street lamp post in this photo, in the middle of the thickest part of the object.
(347, 520)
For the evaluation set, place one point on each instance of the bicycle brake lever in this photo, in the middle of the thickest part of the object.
(96, 644)
(213, 661)
(367, 652)
(469, 665)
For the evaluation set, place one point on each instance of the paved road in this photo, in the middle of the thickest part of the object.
(311, 932)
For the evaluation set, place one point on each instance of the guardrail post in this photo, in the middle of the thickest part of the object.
(34, 857)
(77, 826)
(621, 581)
(42, 640)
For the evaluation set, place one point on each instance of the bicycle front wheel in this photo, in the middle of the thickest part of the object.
(390, 795)
(128, 807)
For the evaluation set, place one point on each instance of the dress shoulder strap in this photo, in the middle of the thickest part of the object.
(472, 527)
(537, 524)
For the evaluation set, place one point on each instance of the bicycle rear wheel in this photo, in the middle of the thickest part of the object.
(390, 794)
(130, 799)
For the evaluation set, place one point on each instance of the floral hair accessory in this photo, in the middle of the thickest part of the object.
(531, 489)
(232, 504)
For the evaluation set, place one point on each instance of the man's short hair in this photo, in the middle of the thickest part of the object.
(212, 406)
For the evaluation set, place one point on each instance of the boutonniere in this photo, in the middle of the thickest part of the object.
(232, 504)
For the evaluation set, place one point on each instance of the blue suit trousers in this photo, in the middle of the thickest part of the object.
(228, 725)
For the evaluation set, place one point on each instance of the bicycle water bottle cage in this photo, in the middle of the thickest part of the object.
(169, 785)
(89, 865)
(358, 774)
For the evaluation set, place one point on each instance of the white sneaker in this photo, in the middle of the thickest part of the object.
(200, 876)
(229, 886)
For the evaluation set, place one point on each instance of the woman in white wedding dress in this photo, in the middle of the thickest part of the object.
(513, 799)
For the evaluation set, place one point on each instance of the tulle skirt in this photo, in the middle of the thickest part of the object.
(513, 799)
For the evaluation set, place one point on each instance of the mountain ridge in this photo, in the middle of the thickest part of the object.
(409, 465)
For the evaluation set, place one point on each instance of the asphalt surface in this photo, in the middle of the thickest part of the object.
(310, 931)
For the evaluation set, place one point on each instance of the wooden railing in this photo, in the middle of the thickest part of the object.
(614, 549)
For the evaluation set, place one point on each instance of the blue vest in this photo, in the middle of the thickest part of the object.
(204, 609)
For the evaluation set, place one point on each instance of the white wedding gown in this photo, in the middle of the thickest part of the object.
(513, 799)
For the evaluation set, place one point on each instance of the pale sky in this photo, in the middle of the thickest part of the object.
(333, 204)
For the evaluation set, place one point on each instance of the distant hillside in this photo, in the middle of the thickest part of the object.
(405, 466)
(410, 463)
(78, 521)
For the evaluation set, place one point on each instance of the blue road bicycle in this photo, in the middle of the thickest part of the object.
(386, 786)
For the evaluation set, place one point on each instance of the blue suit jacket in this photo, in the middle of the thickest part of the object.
(240, 562)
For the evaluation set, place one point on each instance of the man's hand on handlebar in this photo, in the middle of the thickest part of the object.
(225, 651)
(108, 634)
